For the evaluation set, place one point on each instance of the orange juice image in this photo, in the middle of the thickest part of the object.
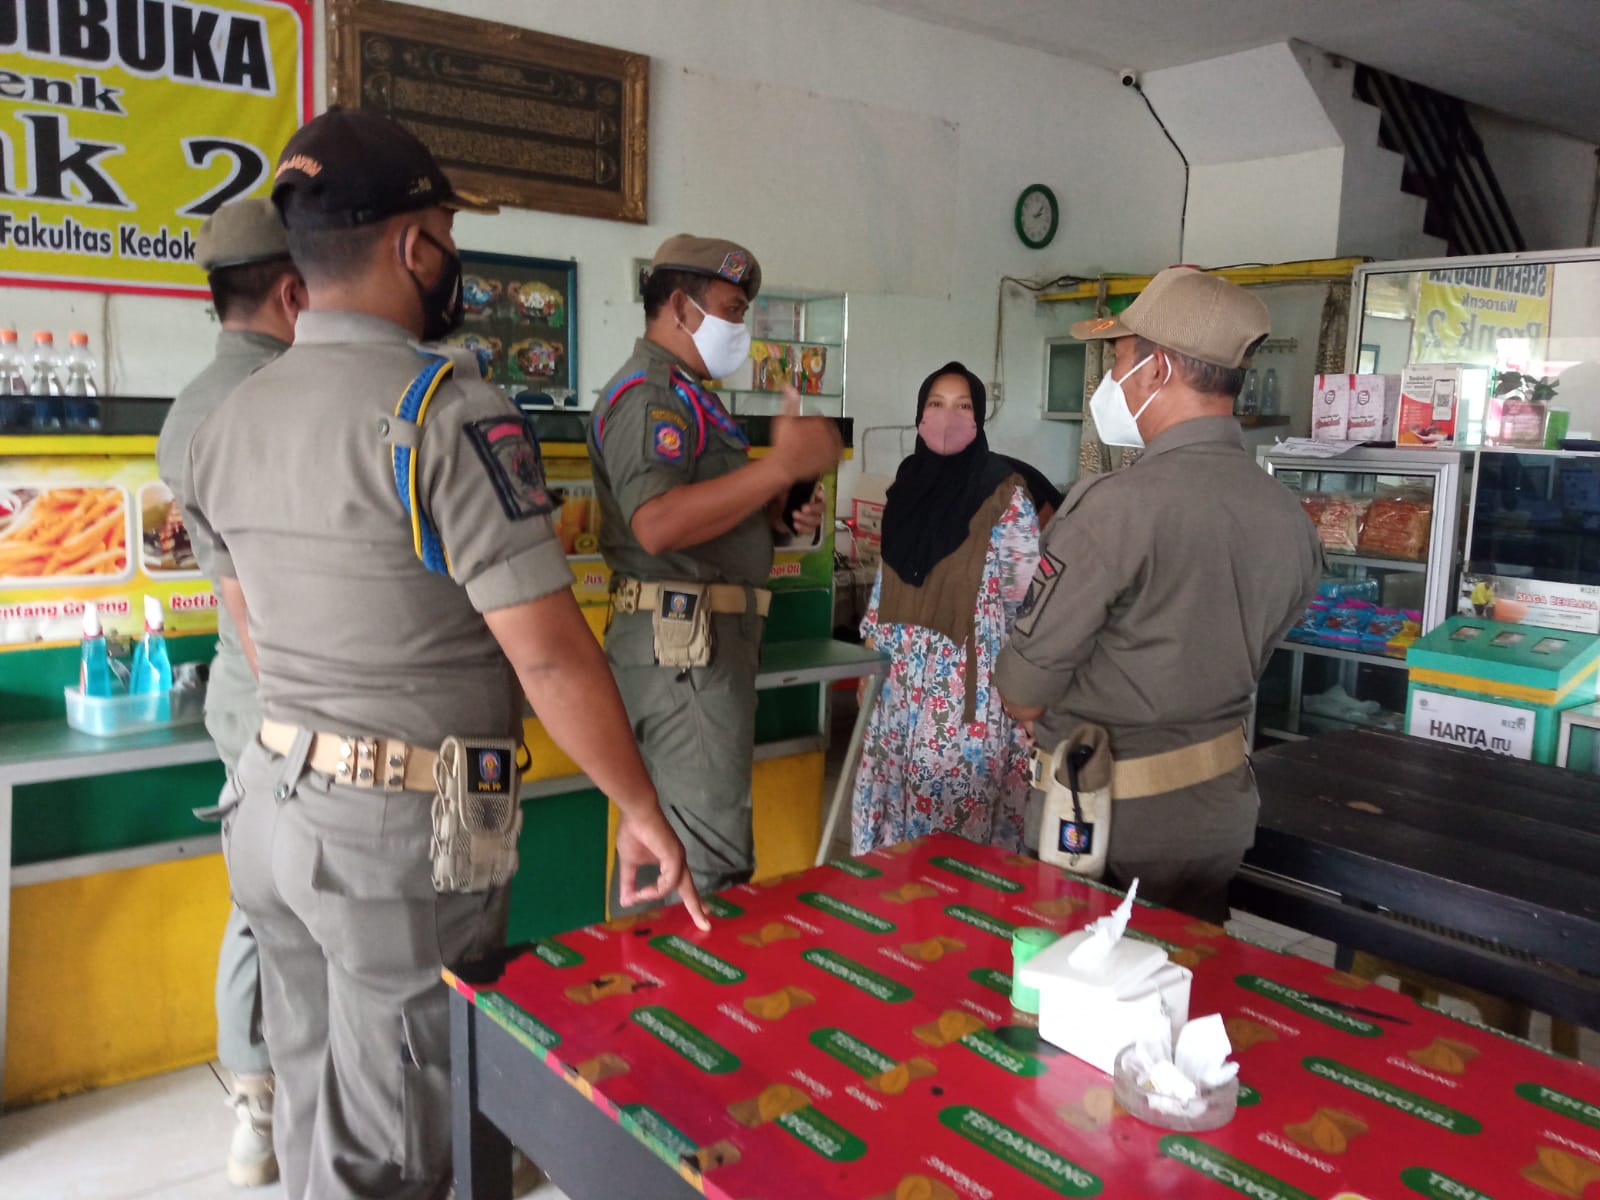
(577, 522)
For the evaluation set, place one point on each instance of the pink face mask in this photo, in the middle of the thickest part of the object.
(947, 430)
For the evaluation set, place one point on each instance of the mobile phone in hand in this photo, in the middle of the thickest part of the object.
(799, 496)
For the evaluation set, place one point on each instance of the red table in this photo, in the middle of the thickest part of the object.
(847, 1032)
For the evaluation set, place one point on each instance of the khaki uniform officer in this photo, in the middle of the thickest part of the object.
(687, 525)
(1161, 591)
(378, 522)
(257, 293)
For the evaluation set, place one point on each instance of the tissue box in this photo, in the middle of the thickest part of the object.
(1093, 1014)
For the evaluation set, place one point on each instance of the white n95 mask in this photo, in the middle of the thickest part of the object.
(1116, 424)
(723, 345)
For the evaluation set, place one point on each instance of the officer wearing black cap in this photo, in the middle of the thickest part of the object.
(400, 588)
(257, 293)
(687, 525)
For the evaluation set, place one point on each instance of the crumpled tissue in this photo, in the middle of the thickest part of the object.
(1172, 1077)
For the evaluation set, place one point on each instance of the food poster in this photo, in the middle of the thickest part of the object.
(95, 528)
(1464, 313)
(520, 315)
(804, 563)
(847, 1032)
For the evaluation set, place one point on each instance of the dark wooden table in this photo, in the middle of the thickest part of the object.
(1502, 851)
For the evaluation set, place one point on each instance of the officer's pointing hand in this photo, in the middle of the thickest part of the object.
(807, 447)
(649, 841)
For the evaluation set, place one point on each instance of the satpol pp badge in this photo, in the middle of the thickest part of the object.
(679, 606)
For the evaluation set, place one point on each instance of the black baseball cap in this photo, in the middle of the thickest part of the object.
(352, 166)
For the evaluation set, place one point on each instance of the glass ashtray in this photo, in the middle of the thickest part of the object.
(1211, 1109)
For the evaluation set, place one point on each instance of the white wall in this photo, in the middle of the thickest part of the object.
(852, 150)
(1548, 179)
(1265, 209)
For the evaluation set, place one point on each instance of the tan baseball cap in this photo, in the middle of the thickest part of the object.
(715, 257)
(1190, 312)
(246, 231)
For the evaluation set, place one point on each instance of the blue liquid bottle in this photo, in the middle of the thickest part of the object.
(94, 665)
(152, 669)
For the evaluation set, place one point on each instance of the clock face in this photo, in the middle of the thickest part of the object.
(1037, 216)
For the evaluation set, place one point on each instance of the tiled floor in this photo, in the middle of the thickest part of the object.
(166, 1137)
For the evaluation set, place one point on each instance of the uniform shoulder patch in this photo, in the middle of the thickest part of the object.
(1044, 578)
(509, 449)
(666, 439)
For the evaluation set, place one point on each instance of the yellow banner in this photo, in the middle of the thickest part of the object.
(1463, 314)
(101, 529)
(124, 123)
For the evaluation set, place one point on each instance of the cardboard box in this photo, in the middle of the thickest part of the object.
(1330, 408)
(1374, 402)
(1429, 395)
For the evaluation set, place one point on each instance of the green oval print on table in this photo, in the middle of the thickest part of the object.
(1385, 1092)
(698, 959)
(1293, 998)
(523, 1026)
(1248, 1096)
(991, 1049)
(1439, 1186)
(858, 976)
(861, 1058)
(1585, 1111)
(851, 867)
(1227, 1170)
(677, 1034)
(1038, 1162)
(823, 1135)
(556, 954)
(845, 911)
(726, 909)
(978, 919)
(665, 1137)
(995, 981)
(975, 873)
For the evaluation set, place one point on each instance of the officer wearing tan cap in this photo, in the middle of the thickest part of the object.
(1161, 591)
(688, 522)
(396, 580)
(257, 294)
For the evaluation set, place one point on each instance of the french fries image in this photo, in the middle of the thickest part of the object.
(1560, 1172)
(1328, 1130)
(70, 531)
(934, 948)
(951, 1026)
(898, 1078)
(778, 1004)
(918, 1187)
(772, 931)
(774, 1101)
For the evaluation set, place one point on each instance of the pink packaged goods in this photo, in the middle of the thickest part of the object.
(1330, 407)
(1338, 520)
(1374, 402)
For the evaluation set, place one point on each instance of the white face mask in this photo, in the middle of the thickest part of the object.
(1116, 423)
(723, 345)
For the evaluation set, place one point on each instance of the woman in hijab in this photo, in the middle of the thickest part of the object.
(960, 544)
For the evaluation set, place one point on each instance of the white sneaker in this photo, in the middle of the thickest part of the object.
(251, 1159)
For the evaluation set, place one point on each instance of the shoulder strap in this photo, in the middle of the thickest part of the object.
(623, 385)
(413, 407)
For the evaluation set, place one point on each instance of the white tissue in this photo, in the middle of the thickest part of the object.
(1172, 1079)
(1104, 934)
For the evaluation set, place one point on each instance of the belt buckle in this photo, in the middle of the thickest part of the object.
(625, 598)
(358, 758)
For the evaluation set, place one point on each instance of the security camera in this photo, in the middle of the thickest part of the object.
(1129, 77)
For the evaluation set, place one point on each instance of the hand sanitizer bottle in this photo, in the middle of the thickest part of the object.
(152, 669)
(94, 665)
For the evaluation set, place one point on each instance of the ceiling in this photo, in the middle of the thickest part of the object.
(1533, 59)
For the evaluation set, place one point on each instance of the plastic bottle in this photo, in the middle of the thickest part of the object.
(152, 669)
(94, 664)
(1269, 393)
(45, 386)
(82, 412)
(13, 383)
(1250, 398)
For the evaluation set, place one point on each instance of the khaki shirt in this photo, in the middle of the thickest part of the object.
(292, 492)
(646, 444)
(1161, 591)
(232, 712)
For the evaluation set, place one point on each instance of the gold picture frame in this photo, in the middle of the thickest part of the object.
(515, 116)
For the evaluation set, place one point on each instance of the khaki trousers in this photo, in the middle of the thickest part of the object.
(335, 882)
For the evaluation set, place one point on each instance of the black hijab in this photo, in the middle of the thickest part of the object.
(934, 496)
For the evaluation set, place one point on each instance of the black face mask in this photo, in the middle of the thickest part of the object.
(443, 307)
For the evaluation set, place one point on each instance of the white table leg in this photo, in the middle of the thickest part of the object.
(847, 772)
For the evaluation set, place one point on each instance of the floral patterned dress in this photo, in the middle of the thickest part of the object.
(922, 770)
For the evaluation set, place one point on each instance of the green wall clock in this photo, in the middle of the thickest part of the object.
(1037, 215)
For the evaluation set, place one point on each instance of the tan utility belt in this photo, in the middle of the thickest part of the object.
(1169, 771)
(638, 595)
(386, 763)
